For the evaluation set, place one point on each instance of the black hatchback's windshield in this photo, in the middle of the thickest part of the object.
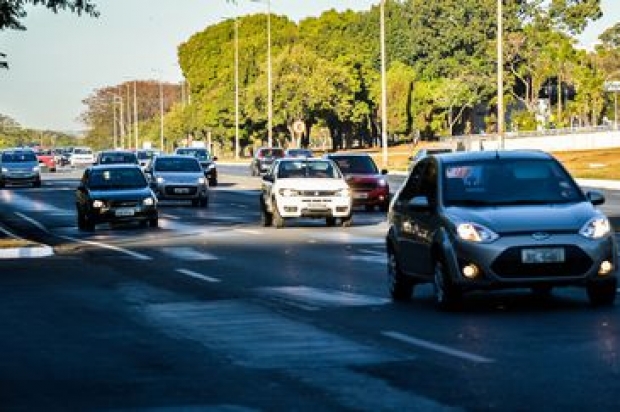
(116, 179)
(508, 182)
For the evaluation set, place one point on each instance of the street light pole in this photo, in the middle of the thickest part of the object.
(161, 116)
(384, 141)
(236, 88)
(135, 114)
(500, 75)
(269, 80)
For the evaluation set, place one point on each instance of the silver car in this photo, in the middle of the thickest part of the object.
(492, 220)
(19, 166)
(176, 177)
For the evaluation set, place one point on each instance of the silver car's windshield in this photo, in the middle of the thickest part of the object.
(178, 164)
(508, 182)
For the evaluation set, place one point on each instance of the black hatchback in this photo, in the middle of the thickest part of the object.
(115, 193)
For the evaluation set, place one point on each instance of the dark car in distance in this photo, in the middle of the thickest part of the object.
(206, 161)
(264, 158)
(115, 193)
(116, 157)
(473, 221)
(369, 184)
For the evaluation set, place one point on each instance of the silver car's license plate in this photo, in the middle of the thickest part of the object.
(543, 255)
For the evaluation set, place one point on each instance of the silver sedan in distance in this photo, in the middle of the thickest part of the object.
(177, 177)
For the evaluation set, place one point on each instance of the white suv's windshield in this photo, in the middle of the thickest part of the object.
(506, 182)
(305, 169)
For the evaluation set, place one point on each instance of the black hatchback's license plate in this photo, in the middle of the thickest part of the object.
(543, 255)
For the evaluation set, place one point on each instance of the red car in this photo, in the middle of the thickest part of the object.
(46, 159)
(369, 185)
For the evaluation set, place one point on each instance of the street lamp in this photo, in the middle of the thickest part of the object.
(384, 141)
(500, 75)
(269, 88)
(135, 114)
(237, 89)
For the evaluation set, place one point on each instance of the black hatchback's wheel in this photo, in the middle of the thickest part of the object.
(602, 293)
(447, 295)
(399, 286)
(213, 182)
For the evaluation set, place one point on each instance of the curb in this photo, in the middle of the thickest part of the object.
(28, 250)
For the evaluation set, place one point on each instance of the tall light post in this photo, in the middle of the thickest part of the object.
(269, 86)
(384, 140)
(500, 75)
(161, 116)
(236, 88)
(135, 114)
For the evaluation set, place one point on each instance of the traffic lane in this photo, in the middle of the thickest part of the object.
(79, 340)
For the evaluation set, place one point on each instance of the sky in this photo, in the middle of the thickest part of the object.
(63, 58)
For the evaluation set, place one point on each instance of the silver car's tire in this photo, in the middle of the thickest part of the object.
(447, 296)
(399, 286)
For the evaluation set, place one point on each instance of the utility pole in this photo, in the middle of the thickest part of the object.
(135, 114)
(236, 88)
(500, 75)
(384, 138)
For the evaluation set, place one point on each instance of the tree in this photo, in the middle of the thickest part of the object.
(12, 13)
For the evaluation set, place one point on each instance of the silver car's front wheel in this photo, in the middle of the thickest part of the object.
(447, 296)
(399, 286)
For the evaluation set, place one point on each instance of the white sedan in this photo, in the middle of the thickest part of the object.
(312, 188)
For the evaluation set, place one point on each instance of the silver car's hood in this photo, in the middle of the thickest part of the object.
(180, 177)
(550, 217)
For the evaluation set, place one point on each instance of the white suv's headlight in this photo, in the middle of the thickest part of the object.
(149, 201)
(289, 192)
(5, 170)
(596, 228)
(97, 204)
(343, 193)
(474, 232)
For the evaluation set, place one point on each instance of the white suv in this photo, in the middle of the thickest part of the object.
(313, 188)
(81, 156)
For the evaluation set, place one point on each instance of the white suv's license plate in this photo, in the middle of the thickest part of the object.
(181, 190)
(543, 255)
(124, 212)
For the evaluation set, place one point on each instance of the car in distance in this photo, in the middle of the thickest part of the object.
(369, 185)
(19, 166)
(298, 153)
(178, 177)
(309, 188)
(427, 151)
(116, 157)
(145, 155)
(80, 156)
(206, 161)
(264, 158)
(484, 220)
(46, 159)
(114, 193)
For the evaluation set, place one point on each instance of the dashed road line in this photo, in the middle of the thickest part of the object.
(436, 347)
(197, 275)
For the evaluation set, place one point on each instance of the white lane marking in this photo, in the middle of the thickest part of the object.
(136, 255)
(437, 347)
(188, 253)
(10, 234)
(32, 221)
(248, 231)
(198, 275)
(169, 216)
(323, 297)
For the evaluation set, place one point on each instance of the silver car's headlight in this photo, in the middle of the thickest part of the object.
(289, 192)
(201, 181)
(97, 204)
(149, 201)
(159, 180)
(473, 232)
(596, 228)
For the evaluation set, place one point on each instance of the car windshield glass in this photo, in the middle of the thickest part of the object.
(305, 169)
(18, 157)
(116, 179)
(178, 164)
(508, 182)
(200, 154)
(107, 158)
(82, 151)
(357, 164)
(271, 153)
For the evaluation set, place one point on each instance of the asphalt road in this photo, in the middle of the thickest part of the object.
(211, 311)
